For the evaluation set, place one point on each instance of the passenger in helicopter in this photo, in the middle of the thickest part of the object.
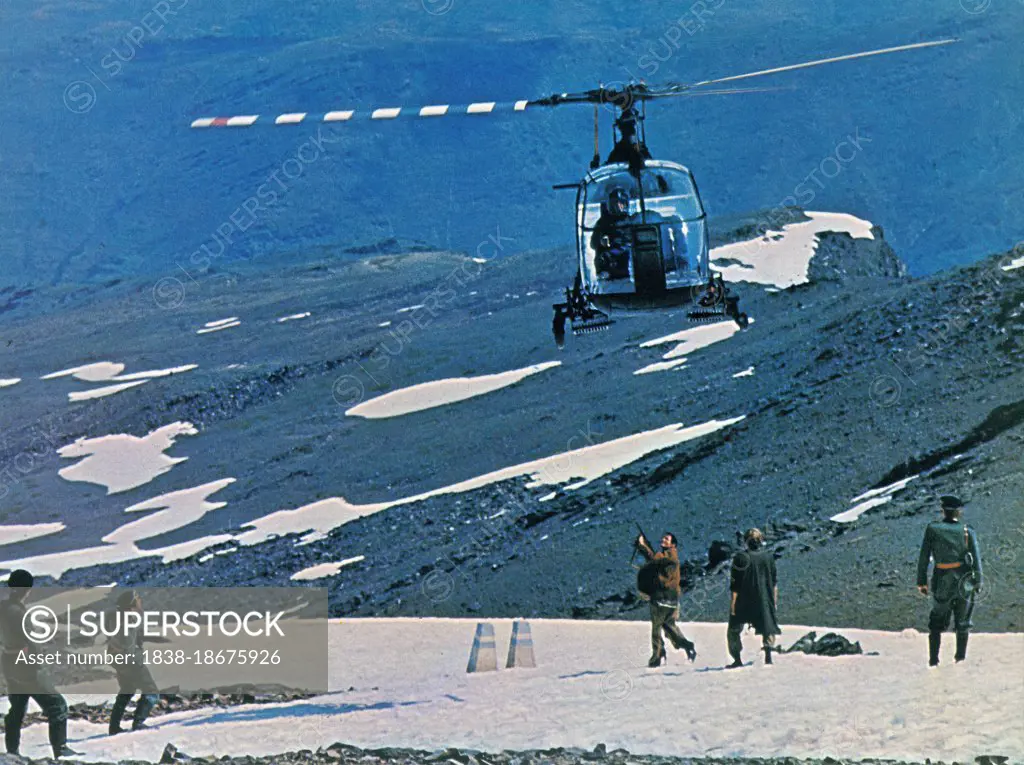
(673, 226)
(610, 238)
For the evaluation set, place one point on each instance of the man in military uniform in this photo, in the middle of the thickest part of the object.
(754, 588)
(25, 681)
(133, 676)
(957, 576)
(665, 599)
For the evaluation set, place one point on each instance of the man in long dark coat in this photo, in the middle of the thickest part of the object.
(754, 585)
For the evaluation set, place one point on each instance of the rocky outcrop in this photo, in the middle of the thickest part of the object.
(840, 257)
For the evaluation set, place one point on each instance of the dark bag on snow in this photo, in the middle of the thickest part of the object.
(829, 644)
(833, 644)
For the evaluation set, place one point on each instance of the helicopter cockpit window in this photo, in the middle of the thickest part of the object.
(671, 194)
(671, 201)
(617, 209)
(601, 196)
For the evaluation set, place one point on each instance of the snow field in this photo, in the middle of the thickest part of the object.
(591, 686)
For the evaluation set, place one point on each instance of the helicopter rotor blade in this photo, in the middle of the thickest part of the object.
(681, 89)
(347, 115)
(620, 97)
(734, 91)
(627, 94)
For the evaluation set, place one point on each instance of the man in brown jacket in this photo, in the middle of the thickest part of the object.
(665, 599)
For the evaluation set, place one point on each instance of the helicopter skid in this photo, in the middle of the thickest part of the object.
(710, 315)
(583, 317)
(591, 325)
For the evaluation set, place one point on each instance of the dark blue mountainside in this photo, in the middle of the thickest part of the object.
(103, 179)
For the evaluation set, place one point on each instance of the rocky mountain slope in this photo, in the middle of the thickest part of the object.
(862, 378)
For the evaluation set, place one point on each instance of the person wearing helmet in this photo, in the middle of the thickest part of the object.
(609, 239)
(618, 202)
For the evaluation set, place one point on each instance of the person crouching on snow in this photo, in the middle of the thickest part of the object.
(665, 600)
(133, 676)
(754, 585)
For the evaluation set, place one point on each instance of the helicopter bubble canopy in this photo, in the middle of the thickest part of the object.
(664, 227)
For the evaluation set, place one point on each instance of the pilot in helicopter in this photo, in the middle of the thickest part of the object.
(610, 240)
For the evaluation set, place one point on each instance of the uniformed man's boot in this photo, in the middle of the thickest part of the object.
(767, 654)
(961, 646)
(934, 640)
(656, 659)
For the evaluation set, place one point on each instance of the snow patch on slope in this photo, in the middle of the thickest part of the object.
(436, 393)
(694, 338)
(584, 465)
(176, 510)
(323, 570)
(782, 258)
(121, 462)
(661, 366)
(110, 371)
(871, 499)
(99, 371)
(10, 535)
(106, 390)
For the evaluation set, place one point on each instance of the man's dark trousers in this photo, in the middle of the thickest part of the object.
(24, 683)
(663, 617)
(734, 639)
(53, 706)
(953, 596)
(130, 680)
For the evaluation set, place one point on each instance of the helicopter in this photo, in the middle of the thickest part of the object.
(641, 228)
